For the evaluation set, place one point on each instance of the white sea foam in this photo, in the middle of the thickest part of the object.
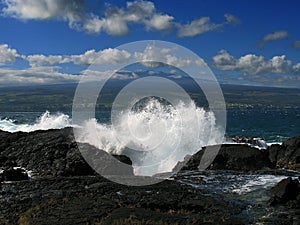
(263, 181)
(162, 135)
(44, 122)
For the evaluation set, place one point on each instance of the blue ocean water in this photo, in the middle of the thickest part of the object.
(274, 125)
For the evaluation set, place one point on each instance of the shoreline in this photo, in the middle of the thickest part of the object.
(64, 189)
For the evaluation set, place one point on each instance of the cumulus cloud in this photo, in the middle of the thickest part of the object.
(274, 36)
(7, 54)
(196, 27)
(164, 55)
(160, 22)
(35, 75)
(254, 65)
(296, 67)
(203, 25)
(106, 56)
(39, 60)
(47, 68)
(70, 11)
(113, 56)
(115, 20)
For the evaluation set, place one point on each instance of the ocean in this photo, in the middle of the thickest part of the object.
(273, 125)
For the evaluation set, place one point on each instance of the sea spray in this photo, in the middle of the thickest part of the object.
(45, 122)
(155, 137)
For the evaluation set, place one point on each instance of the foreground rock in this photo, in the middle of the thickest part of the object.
(55, 153)
(286, 191)
(239, 157)
(66, 190)
(94, 200)
(286, 155)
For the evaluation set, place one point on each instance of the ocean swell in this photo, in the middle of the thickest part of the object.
(45, 122)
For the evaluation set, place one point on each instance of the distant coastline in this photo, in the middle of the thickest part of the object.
(59, 97)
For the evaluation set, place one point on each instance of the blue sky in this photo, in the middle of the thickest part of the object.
(244, 42)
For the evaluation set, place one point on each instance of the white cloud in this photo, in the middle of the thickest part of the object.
(139, 9)
(106, 56)
(276, 35)
(160, 22)
(35, 75)
(115, 21)
(296, 67)
(39, 60)
(93, 25)
(173, 71)
(125, 76)
(203, 25)
(7, 54)
(252, 64)
(115, 26)
(175, 76)
(113, 56)
(196, 27)
(153, 56)
(71, 11)
(224, 61)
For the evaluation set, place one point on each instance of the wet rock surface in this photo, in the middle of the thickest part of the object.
(238, 157)
(64, 189)
(55, 153)
(286, 155)
(286, 191)
(92, 200)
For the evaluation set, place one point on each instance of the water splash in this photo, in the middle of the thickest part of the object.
(155, 137)
(45, 122)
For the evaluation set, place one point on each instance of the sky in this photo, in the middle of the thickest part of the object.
(246, 42)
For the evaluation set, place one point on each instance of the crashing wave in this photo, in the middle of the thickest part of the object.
(44, 122)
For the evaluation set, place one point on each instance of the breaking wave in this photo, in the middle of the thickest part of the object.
(45, 122)
(155, 137)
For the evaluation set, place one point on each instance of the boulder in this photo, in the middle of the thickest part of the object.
(286, 155)
(285, 191)
(232, 157)
(53, 153)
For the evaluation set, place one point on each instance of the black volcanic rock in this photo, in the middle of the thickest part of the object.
(252, 141)
(14, 174)
(55, 153)
(232, 157)
(95, 200)
(66, 190)
(286, 155)
(285, 191)
(123, 159)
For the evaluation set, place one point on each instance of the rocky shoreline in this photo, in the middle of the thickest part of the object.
(45, 180)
